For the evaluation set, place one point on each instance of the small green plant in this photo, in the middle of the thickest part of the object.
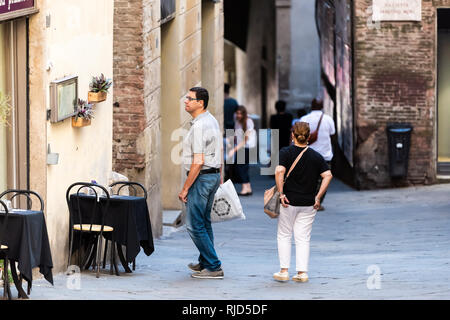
(100, 84)
(85, 110)
(5, 109)
(10, 278)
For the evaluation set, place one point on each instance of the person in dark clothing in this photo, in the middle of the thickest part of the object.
(300, 114)
(229, 108)
(283, 122)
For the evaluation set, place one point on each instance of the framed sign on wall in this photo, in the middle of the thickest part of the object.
(63, 98)
(397, 10)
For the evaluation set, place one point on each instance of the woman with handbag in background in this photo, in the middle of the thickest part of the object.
(299, 200)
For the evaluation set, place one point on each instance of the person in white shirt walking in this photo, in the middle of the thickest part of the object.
(246, 141)
(326, 129)
(202, 160)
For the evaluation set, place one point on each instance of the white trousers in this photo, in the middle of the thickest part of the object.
(297, 221)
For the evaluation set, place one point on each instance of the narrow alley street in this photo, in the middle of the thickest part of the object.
(110, 108)
(401, 234)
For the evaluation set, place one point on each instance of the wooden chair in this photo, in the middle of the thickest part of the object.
(94, 227)
(4, 251)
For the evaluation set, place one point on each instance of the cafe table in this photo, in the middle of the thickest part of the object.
(28, 246)
(128, 215)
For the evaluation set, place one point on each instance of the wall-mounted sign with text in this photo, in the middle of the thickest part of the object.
(10, 9)
(397, 10)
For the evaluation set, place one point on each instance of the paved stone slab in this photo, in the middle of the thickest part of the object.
(402, 233)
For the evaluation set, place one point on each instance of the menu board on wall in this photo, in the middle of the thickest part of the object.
(397, 10)
(10, 9)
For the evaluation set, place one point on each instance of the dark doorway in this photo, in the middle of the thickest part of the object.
(443, 91)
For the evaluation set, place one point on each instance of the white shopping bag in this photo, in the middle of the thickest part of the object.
(227, 205)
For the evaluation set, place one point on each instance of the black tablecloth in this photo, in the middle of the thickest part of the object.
(28, 243)
(128, 216)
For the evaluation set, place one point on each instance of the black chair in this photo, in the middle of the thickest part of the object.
(27, 194)
(13, 193)
(131, 186)
(93, 228)
(4, 251)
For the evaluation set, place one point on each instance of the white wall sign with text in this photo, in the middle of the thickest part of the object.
(397, 10)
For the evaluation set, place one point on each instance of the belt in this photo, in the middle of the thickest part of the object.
(206, 171)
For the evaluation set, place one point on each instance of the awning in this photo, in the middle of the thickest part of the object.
(236, 21)
(10, 9)
(167, 10)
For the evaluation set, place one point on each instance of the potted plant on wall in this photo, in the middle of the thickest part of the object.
(85, 113)
(98, 88)
(5, 109)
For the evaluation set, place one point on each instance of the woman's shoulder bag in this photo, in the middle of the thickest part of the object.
(315, 134)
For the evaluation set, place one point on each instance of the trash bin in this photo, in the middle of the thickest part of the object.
(399, 141)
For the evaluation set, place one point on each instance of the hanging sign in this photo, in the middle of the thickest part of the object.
(10, 9)
(397, 10)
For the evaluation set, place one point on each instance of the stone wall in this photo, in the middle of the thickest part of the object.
(395, 81)
(60, 33)
(154, 67)
(181, 62)
(304, 65)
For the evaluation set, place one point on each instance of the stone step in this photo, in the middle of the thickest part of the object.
(172, 218)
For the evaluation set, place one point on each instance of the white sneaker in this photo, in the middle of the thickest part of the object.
(300, 277)
(281, 276)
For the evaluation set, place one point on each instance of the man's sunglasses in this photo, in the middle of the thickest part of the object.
(191, 99)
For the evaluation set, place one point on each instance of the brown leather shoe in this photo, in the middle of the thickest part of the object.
(206, 274)
(195, 267)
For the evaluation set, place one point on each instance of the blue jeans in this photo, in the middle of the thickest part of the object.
(198, 218)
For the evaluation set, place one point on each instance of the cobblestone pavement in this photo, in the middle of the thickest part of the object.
(401, 234)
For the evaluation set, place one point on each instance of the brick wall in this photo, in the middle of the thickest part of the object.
(395, 81)
(129, 117)
(137, 84)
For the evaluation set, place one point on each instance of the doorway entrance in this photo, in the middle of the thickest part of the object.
(13, 92)
(443, 91)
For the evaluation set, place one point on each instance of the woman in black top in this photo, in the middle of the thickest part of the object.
(299, 201)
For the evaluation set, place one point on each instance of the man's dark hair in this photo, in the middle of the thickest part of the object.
(226, 88)
(280, 106)
(316, 104)
(201, 94)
